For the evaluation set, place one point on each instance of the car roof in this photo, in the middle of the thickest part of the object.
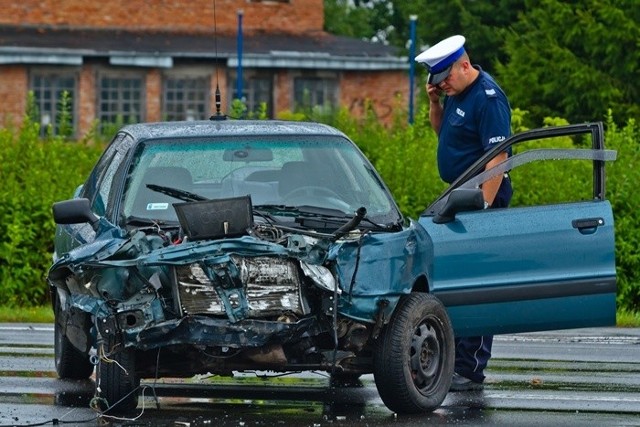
(227, 127)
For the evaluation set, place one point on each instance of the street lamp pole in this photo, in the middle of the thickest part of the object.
(239, 68)
(412, 71)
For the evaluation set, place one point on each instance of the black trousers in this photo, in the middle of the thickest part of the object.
(473, 353)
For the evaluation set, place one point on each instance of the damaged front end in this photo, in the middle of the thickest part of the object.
(268, 300)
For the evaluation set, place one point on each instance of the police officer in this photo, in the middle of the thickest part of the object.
(473, 116)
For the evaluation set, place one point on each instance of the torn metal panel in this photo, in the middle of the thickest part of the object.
(208, 331)
(365, 268)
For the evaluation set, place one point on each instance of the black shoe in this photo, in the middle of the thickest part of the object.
(460, 383)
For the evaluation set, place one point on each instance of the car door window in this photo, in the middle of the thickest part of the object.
(105, 172)
(545, 176)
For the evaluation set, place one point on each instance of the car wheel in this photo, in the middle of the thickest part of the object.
(415, 356)
(70, 362)
(118, 382)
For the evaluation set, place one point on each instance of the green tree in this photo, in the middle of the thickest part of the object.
(554, 58)
(484, 25)
(574, 59)
(345, 18)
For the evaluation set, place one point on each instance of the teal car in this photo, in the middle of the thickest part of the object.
(225, 246)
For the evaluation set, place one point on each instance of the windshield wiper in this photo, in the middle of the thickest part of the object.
(336, 216)
(177, 193)
(303, 210)
(319, 211)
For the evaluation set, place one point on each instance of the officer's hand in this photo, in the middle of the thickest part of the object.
(434, 93)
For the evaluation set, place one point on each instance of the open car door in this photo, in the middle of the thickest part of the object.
(546, 262)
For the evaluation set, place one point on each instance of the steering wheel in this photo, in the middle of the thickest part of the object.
(316, 194)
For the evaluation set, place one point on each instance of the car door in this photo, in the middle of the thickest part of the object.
(546, 262)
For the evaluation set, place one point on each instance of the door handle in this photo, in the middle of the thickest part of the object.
(587, 223)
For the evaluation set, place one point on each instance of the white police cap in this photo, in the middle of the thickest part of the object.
(440, 57)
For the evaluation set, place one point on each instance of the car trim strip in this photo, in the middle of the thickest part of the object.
(523, 292)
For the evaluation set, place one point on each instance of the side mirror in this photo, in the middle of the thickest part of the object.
(460, 200)
(74, 211)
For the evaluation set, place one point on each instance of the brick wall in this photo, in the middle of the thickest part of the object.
(86, 99)
(388, 92)
(13, 93)
(153, 95)
(296, 16)
(283, 92)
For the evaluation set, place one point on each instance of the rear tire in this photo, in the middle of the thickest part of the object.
(118, 382)
(415, 356)
(70, 362)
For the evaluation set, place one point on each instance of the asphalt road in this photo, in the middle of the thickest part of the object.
(575, 377)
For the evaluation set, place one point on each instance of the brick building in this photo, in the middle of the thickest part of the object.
(150, 60)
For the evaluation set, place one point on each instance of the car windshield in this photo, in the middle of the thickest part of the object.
(277, 171)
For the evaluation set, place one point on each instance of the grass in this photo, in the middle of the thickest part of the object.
(26, 314)
(624, 318)
(627, 319)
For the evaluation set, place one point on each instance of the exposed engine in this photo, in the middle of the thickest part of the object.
(271, 286)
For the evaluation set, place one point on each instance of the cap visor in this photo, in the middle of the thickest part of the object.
(436, 78)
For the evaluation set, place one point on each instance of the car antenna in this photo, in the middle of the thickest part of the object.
(218, 115)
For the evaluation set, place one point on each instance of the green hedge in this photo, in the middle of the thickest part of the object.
(34, 173)
(37, 172)
(623, 179)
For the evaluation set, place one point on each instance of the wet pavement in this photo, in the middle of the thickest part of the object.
(576, 377)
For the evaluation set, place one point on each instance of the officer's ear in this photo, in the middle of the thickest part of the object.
(465, 65)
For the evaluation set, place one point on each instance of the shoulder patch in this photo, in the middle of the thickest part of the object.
(489, 90)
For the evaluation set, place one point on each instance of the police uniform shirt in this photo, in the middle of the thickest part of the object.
(473, 122)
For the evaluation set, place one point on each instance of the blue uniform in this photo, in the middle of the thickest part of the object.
(472, 123)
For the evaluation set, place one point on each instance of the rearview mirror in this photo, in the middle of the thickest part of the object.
(74, 211)
(460, 200)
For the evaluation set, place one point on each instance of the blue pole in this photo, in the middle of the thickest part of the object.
(412, 71)
(239, 70)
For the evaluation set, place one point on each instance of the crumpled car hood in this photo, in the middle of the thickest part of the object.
(122, 271)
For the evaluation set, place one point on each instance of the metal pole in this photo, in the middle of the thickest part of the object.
(412, 71)
(239, 69)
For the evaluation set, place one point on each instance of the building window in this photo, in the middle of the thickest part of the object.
(255, 92)
(120, 99)
(186, 98)
(54, 96)
(313, 92)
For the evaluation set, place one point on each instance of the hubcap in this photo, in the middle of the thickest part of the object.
(425, 356)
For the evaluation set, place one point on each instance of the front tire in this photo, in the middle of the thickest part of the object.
(117, 375)
(415, 356)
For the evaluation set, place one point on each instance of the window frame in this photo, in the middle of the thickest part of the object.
(475, 175)
(250, 95)
(330, 83)
(120, 75)
(57, 74)
(203, 106)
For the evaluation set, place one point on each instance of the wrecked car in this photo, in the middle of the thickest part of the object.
(225, 246)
